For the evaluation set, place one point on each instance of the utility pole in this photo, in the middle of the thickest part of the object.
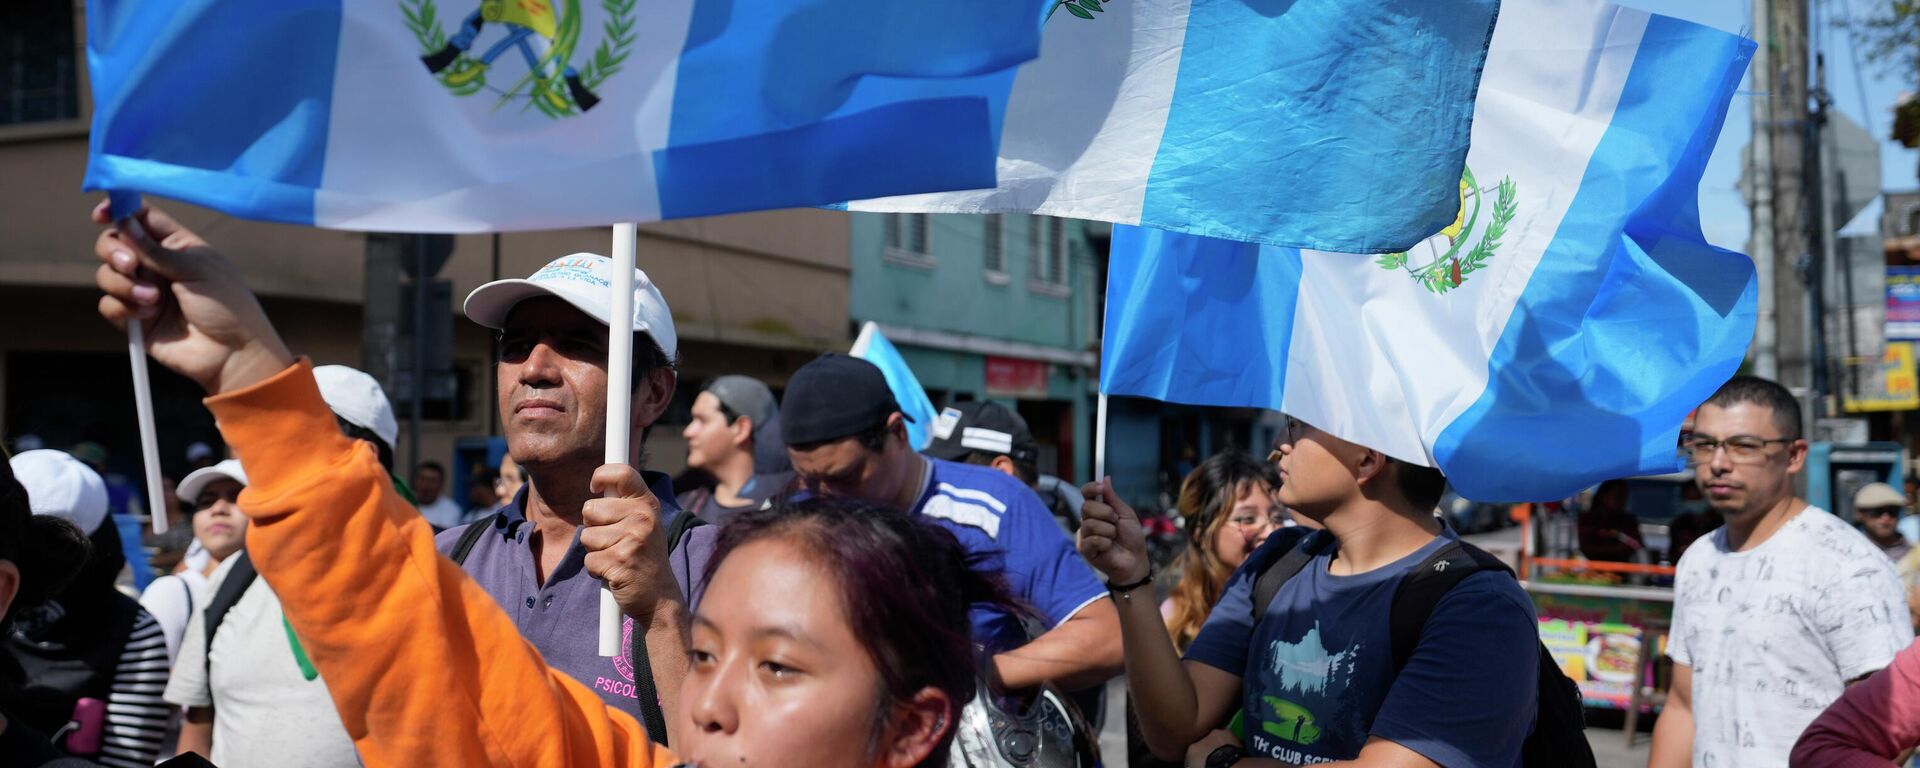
(1766, 351)
(1791, 215)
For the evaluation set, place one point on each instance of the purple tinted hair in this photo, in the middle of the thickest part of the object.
(905, 585)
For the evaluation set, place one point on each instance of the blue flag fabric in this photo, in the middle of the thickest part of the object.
(477, 115)
(874, 347)
(1329, 124)
(1553, 336)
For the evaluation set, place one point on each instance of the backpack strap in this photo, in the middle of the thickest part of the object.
(1422, 588)
(240, 576)
(679, 526)
(470, 536)
(1301, 548)
(643, 689)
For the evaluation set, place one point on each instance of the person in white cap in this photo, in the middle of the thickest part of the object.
(1877, 509)
(552, 381)
(214, 493)
(90, 643)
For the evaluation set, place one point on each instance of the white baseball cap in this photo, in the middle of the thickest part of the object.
(197, 480)
(62, 486)
(355, 396)
(583, 280)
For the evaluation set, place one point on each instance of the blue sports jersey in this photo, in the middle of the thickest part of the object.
(1001, 519)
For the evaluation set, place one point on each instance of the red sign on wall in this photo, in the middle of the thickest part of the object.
(1014, 377)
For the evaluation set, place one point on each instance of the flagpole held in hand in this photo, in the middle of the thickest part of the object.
(619, 397)
(123, 207)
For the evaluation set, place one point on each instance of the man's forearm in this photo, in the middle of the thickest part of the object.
(1084, 651)
(1672, 739)
(666, 642)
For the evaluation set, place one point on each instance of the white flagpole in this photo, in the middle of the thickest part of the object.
(1100, 409)
(1100, 439)
(619, 397)
(123, 210)
(149, 438)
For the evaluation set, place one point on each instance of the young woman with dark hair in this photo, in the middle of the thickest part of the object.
(833, 633)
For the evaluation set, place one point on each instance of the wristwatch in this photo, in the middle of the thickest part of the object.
(1224, 756)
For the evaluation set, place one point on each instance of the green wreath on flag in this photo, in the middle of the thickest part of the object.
(1082, 8)
(1449, 269)
(545, 94)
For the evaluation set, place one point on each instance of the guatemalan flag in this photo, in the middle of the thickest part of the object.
(1331, 124)
(470, 115)
(1552, 336)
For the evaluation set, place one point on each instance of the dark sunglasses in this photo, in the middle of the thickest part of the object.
(1881, 512)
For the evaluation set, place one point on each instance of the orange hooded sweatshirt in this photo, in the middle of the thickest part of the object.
(424, 668)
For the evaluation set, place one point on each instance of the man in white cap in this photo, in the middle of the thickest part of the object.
(538, 555)
(251, 694)
(90, 642)
(1877, 508)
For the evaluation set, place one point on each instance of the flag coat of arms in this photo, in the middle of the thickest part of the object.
(1331, 124)
(1552, 335)
(474, 115)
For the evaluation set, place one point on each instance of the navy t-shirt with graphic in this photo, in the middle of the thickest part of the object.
(1000, 519)
(1317, 678)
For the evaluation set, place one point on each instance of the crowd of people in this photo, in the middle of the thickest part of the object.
(837, 598)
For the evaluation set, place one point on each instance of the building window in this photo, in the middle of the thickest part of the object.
(39, 79)
(907, 240)
(1047, 241)
(994, 246)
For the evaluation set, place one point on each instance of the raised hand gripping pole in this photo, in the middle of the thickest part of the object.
(123, 207)
(619, 398)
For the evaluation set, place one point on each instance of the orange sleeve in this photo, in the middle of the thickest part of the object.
(423, 666)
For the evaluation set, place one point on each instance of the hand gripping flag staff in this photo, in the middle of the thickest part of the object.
(379, 115)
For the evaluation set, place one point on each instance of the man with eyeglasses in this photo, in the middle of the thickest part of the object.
(1778, 610)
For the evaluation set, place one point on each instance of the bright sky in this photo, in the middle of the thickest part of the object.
(1723, 212)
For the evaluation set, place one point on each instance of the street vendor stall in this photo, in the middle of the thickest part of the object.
(1606, 622)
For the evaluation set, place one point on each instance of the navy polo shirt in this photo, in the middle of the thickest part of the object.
(561, 618)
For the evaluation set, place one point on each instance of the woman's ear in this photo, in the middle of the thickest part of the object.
(917, 727)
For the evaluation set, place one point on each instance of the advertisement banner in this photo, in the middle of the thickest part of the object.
(1886, 383)
(1903, 303)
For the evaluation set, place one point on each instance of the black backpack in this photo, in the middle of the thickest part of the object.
(1558, 738)
(643, 689)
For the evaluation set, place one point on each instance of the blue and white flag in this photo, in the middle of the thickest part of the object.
(874, 347)
(473, 115)
(1331, 124)
(1553, 336)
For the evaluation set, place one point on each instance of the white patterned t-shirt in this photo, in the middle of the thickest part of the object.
(1773, 634)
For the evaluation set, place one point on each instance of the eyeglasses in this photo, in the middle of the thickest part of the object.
(1292, 435)
(1881, 512)
(1742, 449)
